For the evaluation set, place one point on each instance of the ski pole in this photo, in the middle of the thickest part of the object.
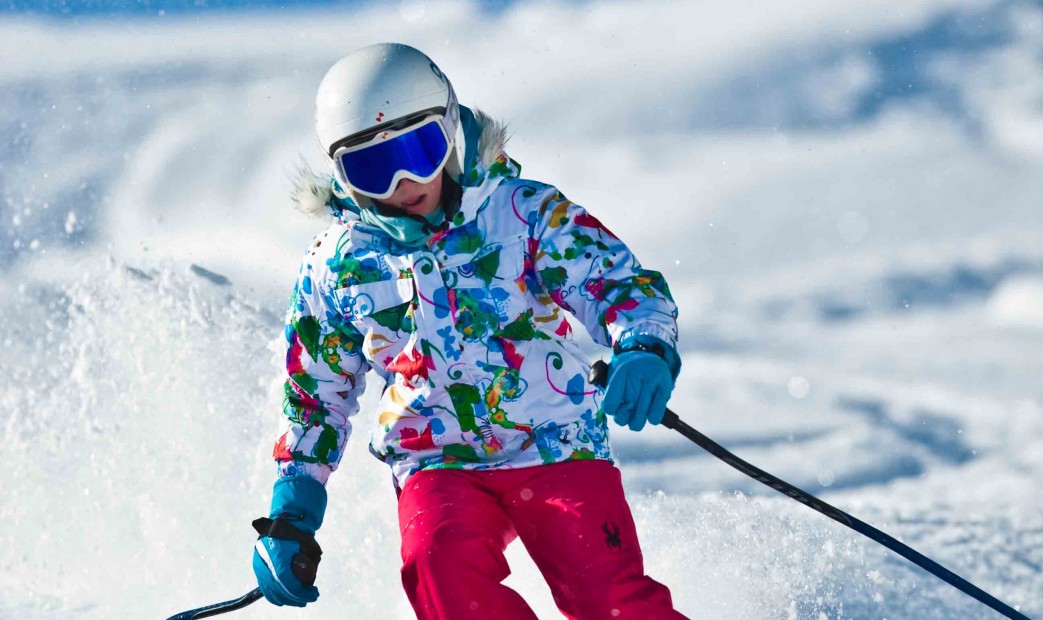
(219, 608)
(599, 377)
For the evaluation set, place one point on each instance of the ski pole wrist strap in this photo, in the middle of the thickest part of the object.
(649, 344)
(281, 529)
(634, 345)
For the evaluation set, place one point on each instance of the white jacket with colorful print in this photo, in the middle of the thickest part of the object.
(469, 334)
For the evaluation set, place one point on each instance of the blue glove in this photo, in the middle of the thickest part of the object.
(641, 377)
(286, 555)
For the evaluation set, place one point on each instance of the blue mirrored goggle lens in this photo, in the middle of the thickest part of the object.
(420, 152)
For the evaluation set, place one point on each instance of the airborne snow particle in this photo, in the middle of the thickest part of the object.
(798, 387)
(826, 478)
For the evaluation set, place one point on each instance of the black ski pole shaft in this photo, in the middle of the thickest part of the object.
(670, 420)
(220, 608)
(599, 376)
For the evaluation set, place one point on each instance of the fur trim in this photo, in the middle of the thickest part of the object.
(493, 138)
(313, 192)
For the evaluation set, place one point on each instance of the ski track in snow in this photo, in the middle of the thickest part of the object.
(855, 329)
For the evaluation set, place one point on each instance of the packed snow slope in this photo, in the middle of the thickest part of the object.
(845, 199)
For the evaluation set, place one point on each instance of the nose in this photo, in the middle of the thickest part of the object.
(403, 188)
(405, 184)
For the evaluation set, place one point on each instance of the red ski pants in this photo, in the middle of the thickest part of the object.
(572, 518)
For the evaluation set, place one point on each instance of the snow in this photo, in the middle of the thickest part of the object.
(858, 268)
(1019, 301)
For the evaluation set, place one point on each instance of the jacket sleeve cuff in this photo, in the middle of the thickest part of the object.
(650, 340)
(302, 499)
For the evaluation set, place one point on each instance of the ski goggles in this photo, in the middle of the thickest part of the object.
(373, 168)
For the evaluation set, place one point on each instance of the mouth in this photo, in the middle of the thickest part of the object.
(413, 203)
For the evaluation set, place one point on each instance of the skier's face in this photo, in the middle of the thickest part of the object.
(416, 198)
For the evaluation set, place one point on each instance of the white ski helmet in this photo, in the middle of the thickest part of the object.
(376, 87)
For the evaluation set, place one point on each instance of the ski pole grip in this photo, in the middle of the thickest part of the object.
(598, 376)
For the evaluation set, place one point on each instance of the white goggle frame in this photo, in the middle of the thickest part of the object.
(342, 178)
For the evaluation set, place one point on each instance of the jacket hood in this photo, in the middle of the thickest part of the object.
(483, 158)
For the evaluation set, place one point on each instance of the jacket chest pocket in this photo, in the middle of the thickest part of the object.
(487, 288)
(382, 311)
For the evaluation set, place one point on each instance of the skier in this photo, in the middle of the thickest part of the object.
(450, 277)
